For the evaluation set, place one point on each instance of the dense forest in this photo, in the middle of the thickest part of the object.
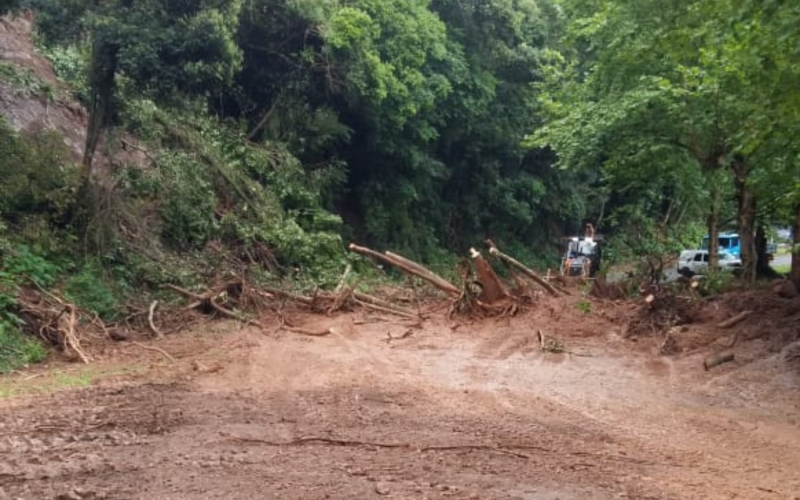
(269, 133)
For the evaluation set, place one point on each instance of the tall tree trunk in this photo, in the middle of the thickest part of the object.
(746, 216)
(795, 276)
(101, 84)
(712, 222)
(763, 268)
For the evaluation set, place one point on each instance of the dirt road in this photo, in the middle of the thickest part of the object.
(476, 413)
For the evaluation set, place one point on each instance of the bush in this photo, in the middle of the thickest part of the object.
(89, 290)
(36, 177)
(20, 265)
(18, 350)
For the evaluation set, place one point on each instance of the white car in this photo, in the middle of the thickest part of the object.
(693, 262)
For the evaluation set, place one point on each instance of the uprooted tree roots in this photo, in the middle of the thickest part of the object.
(55, 321)
(661, 311)
(482, 292)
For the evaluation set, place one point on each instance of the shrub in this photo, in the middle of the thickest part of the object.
(90, 290)
(18, 350)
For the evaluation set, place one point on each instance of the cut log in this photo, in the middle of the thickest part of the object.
(409, 267)
(717, 360)
(419, 268)
(493, 289)
(388, 306)
(524, 270)
(728, 323)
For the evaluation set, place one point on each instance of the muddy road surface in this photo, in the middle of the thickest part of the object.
(376, 410)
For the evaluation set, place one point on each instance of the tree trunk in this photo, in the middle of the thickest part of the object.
(712, 222)
(795, 275)
(762, 258)
(746, 217)
(101, 83)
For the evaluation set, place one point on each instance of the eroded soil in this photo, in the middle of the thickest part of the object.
(479, 412)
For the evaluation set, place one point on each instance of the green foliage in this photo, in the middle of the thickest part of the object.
(715, 281)
(61, 21)
(18, 266)
(89, 289)
(36, 177)
(70, 63)
(18, 350)
(584, 306)
(190, 201)
(263, 119)
(25, 82)
(24, 265)
(8, 5)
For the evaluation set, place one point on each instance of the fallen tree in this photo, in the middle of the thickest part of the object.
(551, 289)
(408, 267)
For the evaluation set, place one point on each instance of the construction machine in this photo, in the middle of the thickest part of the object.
(583, 255)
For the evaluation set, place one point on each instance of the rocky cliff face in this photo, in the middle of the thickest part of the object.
(31, 97)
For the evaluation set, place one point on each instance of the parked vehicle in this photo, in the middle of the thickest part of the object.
(728, 242)
(732, 243)
(693, 262)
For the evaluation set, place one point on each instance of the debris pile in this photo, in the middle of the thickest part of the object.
(662, 310)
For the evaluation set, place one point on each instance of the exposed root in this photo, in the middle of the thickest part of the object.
(150, 321)
(155, 349)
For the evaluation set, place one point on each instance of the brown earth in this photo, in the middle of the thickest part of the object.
(475, 412)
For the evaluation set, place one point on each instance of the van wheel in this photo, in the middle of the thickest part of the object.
(686, 272)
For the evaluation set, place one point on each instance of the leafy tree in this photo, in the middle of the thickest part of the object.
(641, 82)
(163, 49)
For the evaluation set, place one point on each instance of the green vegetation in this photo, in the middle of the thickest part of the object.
(259, 136)
(25, 82)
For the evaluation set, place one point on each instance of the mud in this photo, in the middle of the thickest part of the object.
(475, 412)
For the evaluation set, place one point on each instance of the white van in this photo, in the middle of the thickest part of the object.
(693, 262)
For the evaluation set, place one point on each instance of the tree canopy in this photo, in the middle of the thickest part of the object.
(428, 125)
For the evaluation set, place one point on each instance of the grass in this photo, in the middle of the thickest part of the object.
(784, 269)
(49, 382)
(25, 81)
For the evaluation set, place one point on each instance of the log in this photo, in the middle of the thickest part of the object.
(416, 266)
(717, 360)
(524, 270)
(493, 289)
(728, 323)
(425, 273)
(409, 267)
(370, 299)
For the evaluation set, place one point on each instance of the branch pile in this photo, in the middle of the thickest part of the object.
(55, 321)
(482, 293)
(661, 310)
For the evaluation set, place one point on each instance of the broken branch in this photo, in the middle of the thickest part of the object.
(717, 360)
(735, 320)
(524, 270)
(154, 349)
(409, 267)
(150, 321)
